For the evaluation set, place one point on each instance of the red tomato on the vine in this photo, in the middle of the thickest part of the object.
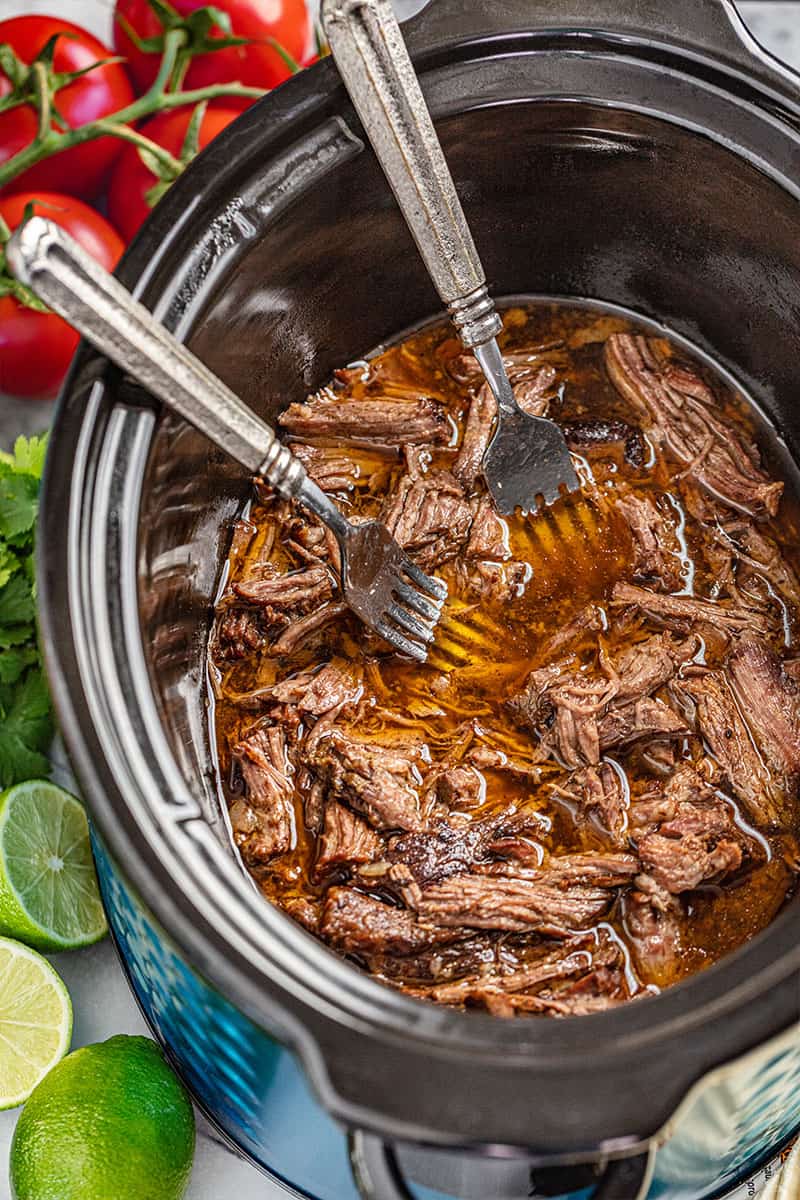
(257, 64)
(36, 347)
(132, 180)
(82, 170)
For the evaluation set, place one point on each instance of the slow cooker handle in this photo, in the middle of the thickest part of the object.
(378, 1176)
(709, 26)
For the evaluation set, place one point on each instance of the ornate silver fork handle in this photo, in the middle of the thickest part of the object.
(372, 58)
(58, 270)
(379, 581)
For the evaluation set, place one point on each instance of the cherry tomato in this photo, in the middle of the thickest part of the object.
(131, 179)
(36, 347)
(257, 64)
(82, 170)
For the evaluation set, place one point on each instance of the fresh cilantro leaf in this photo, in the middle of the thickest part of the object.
(9, 563)
(16, 601)
(19, 500)
(15, 635)
(25, 715)
(26, 727)
(28, 457)
(14, 661)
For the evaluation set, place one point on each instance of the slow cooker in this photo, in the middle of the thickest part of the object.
(645, 153)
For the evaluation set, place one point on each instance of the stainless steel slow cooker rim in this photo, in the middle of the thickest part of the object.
(581, 1036)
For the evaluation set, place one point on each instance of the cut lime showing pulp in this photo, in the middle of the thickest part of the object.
(48, 888)
(35, 1021)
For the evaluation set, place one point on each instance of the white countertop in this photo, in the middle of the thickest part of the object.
(102, 1001)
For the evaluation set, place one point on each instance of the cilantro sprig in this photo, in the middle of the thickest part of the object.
(26, 721)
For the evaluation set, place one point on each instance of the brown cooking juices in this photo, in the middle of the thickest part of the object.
(589, 790)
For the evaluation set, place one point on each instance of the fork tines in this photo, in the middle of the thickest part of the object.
(414, 611)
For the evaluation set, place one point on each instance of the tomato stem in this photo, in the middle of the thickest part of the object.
(158, 98)
(42, 94)
(126, 134)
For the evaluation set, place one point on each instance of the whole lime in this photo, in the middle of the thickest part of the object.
(110, 1122)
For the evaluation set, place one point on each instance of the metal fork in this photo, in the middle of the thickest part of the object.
(527, 456)
(379, 581)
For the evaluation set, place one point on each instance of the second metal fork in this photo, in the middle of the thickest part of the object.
(527, 456)
(379, 581)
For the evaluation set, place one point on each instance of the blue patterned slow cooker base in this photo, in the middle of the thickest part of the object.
(253, 1088)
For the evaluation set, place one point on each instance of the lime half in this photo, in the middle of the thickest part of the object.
(35, 1021)
(48, 888)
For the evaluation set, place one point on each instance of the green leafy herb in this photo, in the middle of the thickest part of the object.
(26, 722)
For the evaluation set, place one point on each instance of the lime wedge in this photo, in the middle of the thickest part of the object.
(48, 888)
(35, 1021)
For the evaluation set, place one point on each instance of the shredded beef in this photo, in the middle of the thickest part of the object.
(580, 714)
(696, 842)
(770, 700)
(297, 592)
(262, 822)
(590, 788)
(682, 612)
(337, 470)
(573, 957)
(590, 435)
(359, 924)
(381, 783)
(461, 787)
(647, 718)
(682, 410)
(724, 729)
(653, 921)
(656, 550)
(386, 421)
(318, 692)
(753, 547)
(239, 634)
(430, 517)
(304, 629)
(568, 895)
(488, 535)
(449, 847)
(600, 792)
(345, 838)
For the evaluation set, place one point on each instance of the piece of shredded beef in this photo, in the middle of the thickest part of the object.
(770, 702)
(580, 714)
(345, 839)
(683, 612)
(306, 628)
(598, 433)
(653, 921)
(390, 421)
(263, 820)
(726, 733)
(296, 592)
(697, 840)
(239, 634)
(682, 410)
(430, 517)
(337, 470)
(319, 691)
(656, 550)
(359, 924)
(381, 783)
(599, 793)
(566, 895)
(453, 845)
